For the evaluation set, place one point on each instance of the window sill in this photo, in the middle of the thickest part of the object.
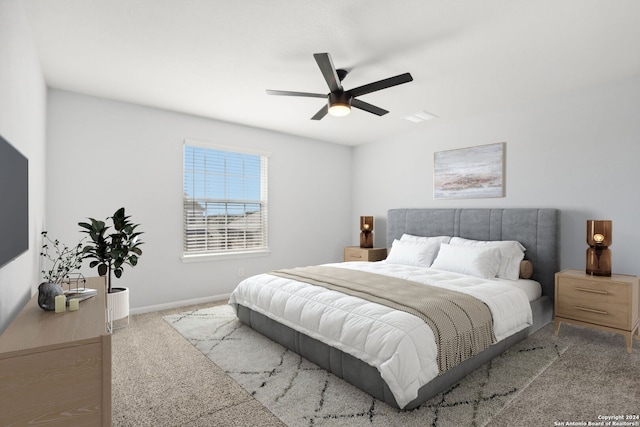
(224, 256)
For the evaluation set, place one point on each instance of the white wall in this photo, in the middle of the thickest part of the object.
(576, 152)
(105, 154)
(22, 123)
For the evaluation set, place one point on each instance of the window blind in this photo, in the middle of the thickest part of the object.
(225, 200)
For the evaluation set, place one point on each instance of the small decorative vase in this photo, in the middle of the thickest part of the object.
(47, 293)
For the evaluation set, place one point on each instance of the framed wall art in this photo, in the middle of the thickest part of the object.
(472, 172)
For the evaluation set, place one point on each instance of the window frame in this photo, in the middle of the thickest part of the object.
(263, 250)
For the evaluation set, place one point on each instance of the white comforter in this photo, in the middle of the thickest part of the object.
(401, 346)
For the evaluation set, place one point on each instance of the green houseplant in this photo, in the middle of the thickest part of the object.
(110, 248)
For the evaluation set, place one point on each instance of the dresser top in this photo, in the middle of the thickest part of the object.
(35, 327)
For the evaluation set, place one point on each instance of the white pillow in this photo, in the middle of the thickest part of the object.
(469, 260)
(418, 254)
(511, 254)
(411, 238)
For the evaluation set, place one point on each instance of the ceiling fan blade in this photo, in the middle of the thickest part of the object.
(320, 114)
(289, 93)
(368, 107)
(381, 84)
(328, 71)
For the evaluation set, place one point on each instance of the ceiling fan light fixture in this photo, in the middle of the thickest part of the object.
(339, 104)
(339, 109)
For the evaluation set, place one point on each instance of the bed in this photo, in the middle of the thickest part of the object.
(378, 368)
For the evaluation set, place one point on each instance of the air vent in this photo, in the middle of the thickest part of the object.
(420, 116)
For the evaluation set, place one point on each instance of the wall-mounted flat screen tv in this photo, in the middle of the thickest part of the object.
(14, 202)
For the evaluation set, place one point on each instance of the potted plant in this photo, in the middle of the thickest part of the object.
(64, 260)
(110, 251)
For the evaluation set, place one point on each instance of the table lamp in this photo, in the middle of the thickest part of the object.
(598, 254)
(366, 231)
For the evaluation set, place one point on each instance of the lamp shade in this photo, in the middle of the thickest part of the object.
(599, 232)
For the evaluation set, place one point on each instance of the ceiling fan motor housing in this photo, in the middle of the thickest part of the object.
(339, 98)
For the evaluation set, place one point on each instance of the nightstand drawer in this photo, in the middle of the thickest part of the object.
(588, 311)
(355, 253)
(595, 302)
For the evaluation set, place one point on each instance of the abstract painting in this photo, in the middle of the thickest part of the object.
(473, 172)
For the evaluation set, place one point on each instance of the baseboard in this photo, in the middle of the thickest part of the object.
(183, 303)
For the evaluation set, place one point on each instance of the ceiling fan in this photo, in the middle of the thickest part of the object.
(340, 101)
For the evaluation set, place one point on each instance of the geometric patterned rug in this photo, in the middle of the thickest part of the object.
(303, 394)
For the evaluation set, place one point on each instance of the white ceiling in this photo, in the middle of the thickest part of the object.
(216, 58)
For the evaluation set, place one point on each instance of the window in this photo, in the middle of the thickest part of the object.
(225, 200)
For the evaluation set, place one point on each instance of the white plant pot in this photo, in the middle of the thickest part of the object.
(118, 304)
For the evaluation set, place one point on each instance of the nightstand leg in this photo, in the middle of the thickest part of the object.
(556, 329)
(629, 339)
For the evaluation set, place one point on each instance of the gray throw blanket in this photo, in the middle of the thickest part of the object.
(462, 324)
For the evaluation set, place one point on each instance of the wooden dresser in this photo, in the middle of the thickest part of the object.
(356, 253)
(606, 303)
(55, 368)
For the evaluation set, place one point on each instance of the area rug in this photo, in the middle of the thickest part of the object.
(302, 394)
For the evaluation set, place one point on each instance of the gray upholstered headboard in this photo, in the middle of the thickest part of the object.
(536, 229)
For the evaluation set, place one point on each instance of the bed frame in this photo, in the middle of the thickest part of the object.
(536, 229)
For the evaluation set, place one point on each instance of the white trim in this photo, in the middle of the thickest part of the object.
(189, 258)
(222, 147)
(182, 303)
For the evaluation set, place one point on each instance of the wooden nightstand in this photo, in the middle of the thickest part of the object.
(356, 253)
(605, 303)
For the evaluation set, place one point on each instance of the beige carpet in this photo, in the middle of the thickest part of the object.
(595, 377)
(159, 379)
